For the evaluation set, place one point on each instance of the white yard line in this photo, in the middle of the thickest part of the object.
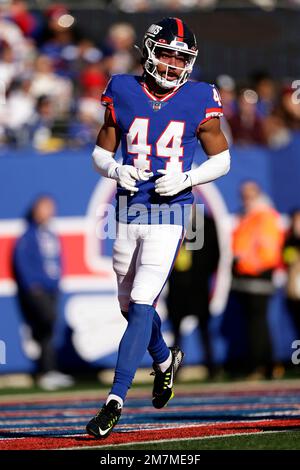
(158, 441)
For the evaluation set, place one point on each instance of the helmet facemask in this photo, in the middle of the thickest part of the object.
(153, 51)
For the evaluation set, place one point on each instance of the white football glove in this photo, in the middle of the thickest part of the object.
(171, 183)
(128, 175)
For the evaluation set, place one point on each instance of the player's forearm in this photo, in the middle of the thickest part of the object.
(104, 162)
(216, 166)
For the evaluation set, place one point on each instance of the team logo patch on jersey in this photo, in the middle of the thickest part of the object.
(157, 105)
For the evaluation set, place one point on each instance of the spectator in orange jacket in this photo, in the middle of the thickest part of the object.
(291, 258)
(257, 246)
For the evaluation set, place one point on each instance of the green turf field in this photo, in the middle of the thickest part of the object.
(283, 440)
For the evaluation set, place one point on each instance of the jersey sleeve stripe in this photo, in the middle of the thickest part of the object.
(113, 114)
(108, 102)
(211, 116)
(214, 110)
(106, 99)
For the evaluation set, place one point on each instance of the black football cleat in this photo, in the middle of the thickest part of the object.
(105, 420)
(163, 381)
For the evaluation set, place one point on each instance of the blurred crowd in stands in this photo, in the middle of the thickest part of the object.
(185, 5)
(52, 78)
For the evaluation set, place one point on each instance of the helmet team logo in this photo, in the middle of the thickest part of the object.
(154, 29)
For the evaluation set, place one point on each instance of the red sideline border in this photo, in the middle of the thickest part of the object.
(213, 430)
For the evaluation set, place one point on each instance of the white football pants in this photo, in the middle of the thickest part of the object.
(142, 260)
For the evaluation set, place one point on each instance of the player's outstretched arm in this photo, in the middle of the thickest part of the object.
(215, 145)
(103, 156)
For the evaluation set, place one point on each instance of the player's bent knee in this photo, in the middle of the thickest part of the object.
(139, 296)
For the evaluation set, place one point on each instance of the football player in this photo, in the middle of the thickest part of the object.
(158, 118)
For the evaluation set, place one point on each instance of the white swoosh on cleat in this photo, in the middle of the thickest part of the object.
(172, 378)
(103, 433)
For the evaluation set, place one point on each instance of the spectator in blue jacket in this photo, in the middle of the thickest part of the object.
(37, 267)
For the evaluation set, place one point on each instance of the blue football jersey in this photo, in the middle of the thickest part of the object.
(158, 133)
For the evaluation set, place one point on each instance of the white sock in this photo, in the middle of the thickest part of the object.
(166, 364)
(111, 396)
